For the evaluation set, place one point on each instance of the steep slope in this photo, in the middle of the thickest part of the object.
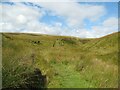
(105, 47)
(59, 61)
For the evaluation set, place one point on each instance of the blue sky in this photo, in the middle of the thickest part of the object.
(79, 19)
(111, 11)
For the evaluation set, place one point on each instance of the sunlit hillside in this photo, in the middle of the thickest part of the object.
(44, 61)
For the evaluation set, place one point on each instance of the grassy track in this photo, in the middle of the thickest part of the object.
(68, 78)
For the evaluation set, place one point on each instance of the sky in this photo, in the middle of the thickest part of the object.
(79, 19)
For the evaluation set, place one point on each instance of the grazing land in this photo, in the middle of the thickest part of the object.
(45, 61)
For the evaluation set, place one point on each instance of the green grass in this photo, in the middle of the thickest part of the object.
(68, 77)
(67, 62)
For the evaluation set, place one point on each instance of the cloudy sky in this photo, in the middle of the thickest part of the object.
(79, 19)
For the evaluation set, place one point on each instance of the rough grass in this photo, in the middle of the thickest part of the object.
(67, 62)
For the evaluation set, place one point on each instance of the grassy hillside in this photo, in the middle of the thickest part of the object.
(43, 61)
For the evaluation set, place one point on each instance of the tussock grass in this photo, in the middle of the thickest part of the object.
(67, 62)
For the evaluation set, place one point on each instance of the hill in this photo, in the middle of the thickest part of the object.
(44, 61)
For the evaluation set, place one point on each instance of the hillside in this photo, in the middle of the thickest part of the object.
(44, 61)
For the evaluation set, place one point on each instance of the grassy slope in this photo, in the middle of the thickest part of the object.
(67, 61)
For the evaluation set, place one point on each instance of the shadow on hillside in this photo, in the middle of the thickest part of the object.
(33, 81)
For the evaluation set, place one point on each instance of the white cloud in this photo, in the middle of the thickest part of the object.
(74, 12)
(109, 26)
(22, 18)
(111, 22)
(16, 17)
(37, 27)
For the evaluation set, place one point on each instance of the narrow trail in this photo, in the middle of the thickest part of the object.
(68, 78)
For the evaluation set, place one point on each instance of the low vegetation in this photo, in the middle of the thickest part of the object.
(43, 61)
